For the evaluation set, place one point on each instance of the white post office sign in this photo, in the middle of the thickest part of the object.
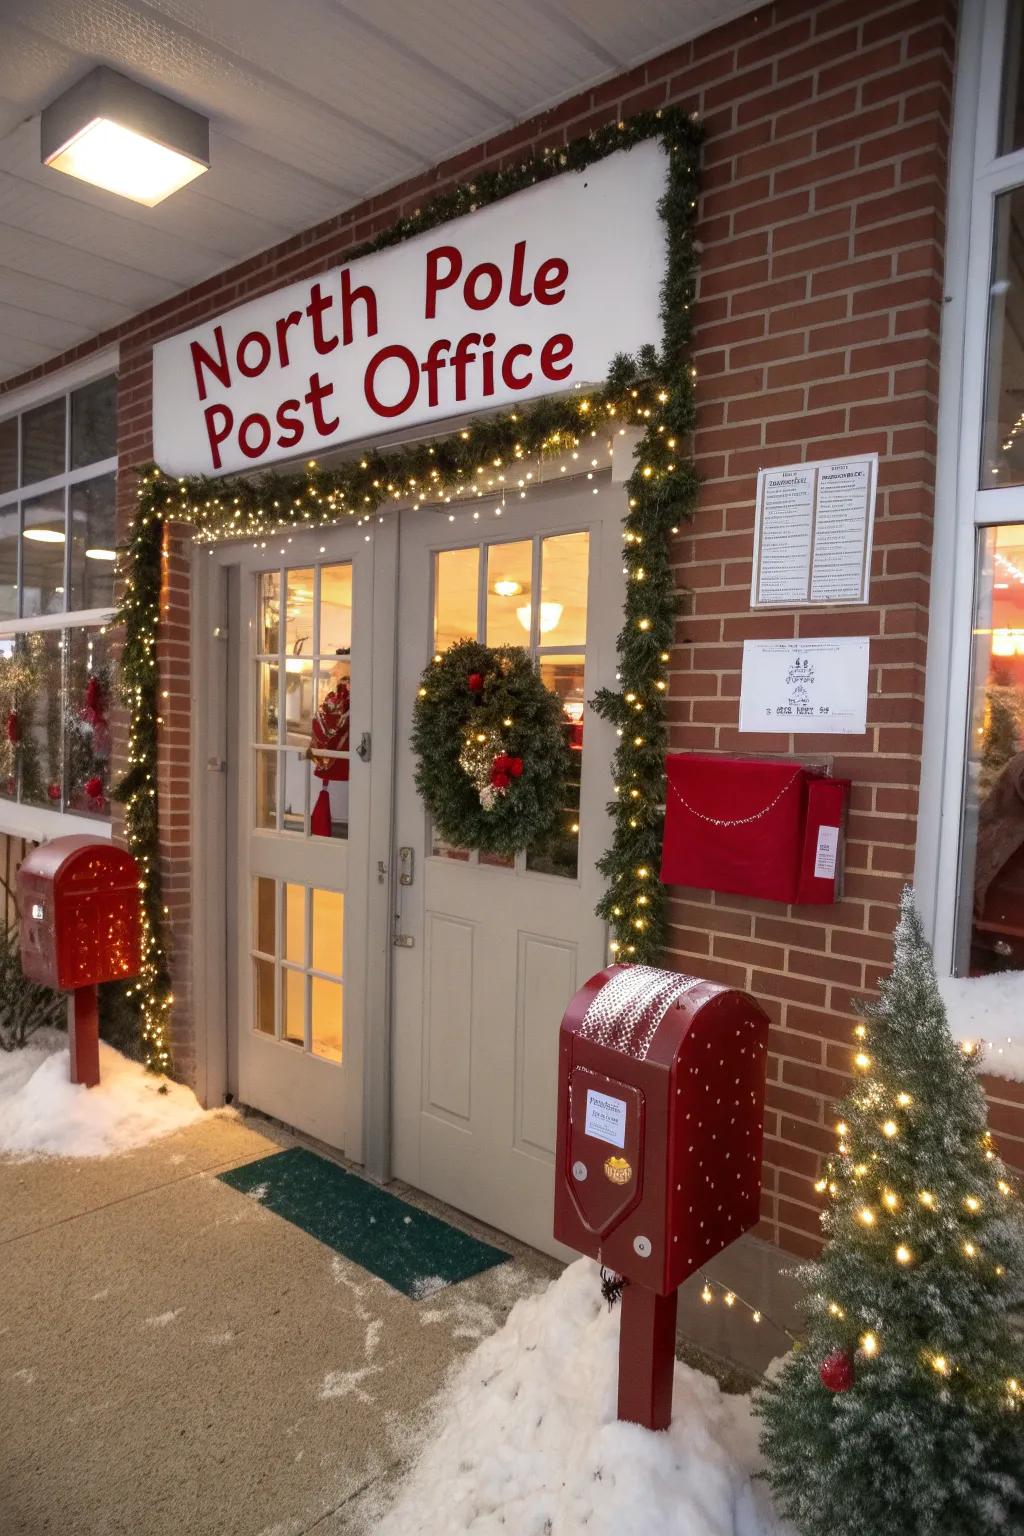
(528, 297)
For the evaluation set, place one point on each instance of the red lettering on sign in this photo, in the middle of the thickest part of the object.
(319, 304)
(349, 297)
(290, 423)
(404, 356)
(435, 282)
(252, 370)
(510, 379)
(257, 449)
(554, 356)
(215, 433)
(218, 365)
(318, 392)
(549, 284)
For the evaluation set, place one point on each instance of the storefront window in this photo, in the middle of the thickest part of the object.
(1011, 127)
(1003, 441)
(991, 920)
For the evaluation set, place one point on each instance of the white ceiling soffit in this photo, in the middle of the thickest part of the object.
(314, 105)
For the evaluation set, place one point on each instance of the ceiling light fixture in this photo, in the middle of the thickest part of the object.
(122, 136)
(101, 554)
(507, 588)
(550, 614)
(44, 535)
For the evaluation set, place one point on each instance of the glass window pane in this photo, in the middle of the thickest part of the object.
(264, 990)
(94, 422)
(295, 769)
(42, 555)
(42, 738)
(9, 543)
(267, 705)
(89, 681)
(270, 613)
(509, 579)
(335, 610)
(91, 515)
(298, 640)
(563, 589)
(264, 915)
(564, 675)
(1011, 128)
(298, 702)
(991, 918)
(42, 442)
(326, 1018)
(456, 575)
(8, 454)
(328, 931)
(266, 789)
(293, 924)
(293, 1000)
(1003, 436)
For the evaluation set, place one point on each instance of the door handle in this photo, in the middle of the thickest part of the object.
(406, 866)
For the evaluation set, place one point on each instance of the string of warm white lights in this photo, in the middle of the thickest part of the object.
(732, 1299)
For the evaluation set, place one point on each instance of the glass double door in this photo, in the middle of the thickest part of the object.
(303, 828)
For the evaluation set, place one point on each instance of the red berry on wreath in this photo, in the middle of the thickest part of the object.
(500, 779)
(514, 767)
(476, 682)
(837, 1371)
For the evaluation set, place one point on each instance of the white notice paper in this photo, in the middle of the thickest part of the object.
(825, 853)
(813, 533)
(817, 686)
(606, 1118)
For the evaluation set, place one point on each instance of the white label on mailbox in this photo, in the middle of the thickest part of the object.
(825, 855)
(606, 1118)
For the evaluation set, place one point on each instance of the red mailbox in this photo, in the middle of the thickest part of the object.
(661, 1083)
(80, 925)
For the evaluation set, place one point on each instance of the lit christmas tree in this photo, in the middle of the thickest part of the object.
(902, 1413)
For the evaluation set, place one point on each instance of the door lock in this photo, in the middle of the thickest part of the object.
(363, 749)
(406, 866)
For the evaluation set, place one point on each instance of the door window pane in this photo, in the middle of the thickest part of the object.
(298, 701)
(326, 1018)
(335, 610)
(1003, 438)
(9, 543)
(8, 454)
(94, 422)
(264, 912)
(42, 734)
(991, 918)
(270, 613)
(564, 675)
(42, 555)
(563, 589)
(267, 705)
(509, 580)
(456, 575)
(294, 791)
(91, 516)
(328, 931)
(293, 1001)
(299, 613)
(42, 442)
(266, 789)
(264, 990)
(294, 924)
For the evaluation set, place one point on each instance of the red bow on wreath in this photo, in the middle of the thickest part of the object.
(504, 769)
(13, 728)
(94, 789)
(92, 709)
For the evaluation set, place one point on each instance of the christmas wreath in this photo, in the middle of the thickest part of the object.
(492, 760)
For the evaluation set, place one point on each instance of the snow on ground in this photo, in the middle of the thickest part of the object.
(525, 1440)
(990, 1009)
(43, 1114)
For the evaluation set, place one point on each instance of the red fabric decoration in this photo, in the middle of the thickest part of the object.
(837, 1371)
(476, 682)
(53, 790)
(13, 728)
(94, 787)
(93, 713)
(320, 820)
(330, 733)
(504, 769)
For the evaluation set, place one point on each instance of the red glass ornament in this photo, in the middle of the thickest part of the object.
(94, 787)
(837, 1371)
(476, 682)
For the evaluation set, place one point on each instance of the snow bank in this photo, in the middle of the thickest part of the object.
(42, 1114)
(991, 1009)
(527, 1440)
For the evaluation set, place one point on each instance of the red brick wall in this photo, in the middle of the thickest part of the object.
(817, 335)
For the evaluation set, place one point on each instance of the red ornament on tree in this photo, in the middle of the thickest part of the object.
(94, 788)
(837, 1371)
(476, 682)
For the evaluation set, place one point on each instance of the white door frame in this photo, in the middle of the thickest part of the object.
(214, 761)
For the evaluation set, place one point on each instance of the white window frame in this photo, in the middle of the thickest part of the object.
(37, 823)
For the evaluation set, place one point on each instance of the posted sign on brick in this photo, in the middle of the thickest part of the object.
(527, 297)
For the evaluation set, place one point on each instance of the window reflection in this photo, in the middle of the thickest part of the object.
(991, 919)
(91, 518)
(42, 555)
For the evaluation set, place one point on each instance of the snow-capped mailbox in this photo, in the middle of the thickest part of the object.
(661, 1084)
(80, 925)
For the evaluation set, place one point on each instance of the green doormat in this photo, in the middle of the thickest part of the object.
(416, 1253)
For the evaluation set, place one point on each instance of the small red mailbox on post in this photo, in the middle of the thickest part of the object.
(661, 1083)
(80, 925)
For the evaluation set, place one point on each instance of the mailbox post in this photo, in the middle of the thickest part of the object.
(80, 925)
(661, 1083)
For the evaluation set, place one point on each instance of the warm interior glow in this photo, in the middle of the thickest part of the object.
(101, 554)
(507, 588)
(44, 535)
(117, 158)
(550, 615)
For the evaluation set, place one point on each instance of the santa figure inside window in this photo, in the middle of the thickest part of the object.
(329, 733)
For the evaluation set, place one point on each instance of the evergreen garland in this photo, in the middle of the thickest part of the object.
(653, 391)
(903, 1411)
(483, 716)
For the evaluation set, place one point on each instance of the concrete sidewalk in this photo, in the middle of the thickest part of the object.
(176, 1359)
